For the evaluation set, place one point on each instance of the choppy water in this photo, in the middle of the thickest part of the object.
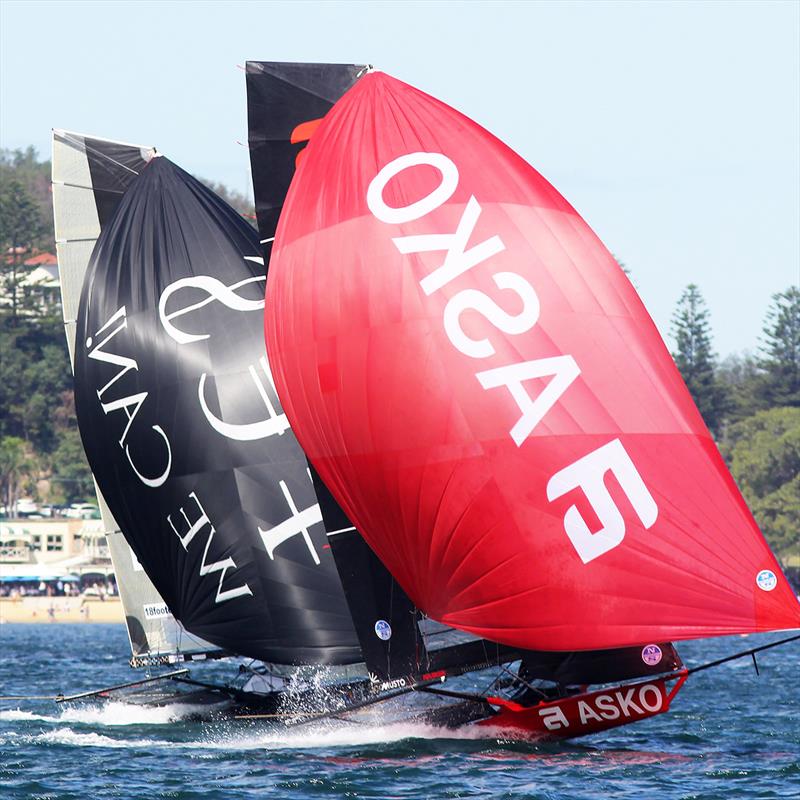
(730, 734)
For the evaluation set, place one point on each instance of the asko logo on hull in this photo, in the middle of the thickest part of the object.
(589, 713)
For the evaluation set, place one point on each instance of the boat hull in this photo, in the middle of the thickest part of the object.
(585, 713)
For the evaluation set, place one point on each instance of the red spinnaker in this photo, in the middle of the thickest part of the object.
(484, 393)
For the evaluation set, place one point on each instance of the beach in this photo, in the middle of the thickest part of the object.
(49, 610)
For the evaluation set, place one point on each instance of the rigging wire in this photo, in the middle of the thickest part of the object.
(751, 652)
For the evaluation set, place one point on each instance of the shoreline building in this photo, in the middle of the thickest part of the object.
(52, 551)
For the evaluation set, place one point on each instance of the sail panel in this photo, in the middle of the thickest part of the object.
(156, 637)
(185, 434)
(87, 187)
(285, 103)
(477, 382)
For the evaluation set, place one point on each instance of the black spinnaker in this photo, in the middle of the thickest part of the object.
(185, 434)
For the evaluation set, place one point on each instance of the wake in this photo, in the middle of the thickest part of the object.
(68, 727)
(111, 714)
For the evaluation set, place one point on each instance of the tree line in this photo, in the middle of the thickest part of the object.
(40, 449)
(751, 403)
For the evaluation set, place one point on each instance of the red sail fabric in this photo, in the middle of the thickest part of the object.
(481, 388)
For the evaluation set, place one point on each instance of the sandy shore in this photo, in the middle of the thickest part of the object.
(61, 609)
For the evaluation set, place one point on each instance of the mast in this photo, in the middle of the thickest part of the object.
(89, 177)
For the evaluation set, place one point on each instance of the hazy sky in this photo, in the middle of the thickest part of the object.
(674, 128)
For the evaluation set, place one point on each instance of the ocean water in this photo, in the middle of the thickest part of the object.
(730, 734)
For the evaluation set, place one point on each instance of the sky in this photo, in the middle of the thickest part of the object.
(673, 128)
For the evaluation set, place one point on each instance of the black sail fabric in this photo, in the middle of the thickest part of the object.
(182, 428)
(113, 168)
(602, 666)
(285, 103)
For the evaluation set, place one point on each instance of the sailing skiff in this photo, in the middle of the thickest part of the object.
(468, 453)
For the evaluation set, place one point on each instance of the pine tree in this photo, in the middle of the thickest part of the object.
(25, 167)
(20, 227)
(743, 378)
(781, 349)
(695, 358)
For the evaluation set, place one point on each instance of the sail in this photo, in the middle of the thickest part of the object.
(477, 382)
(183, 430)
(89, 177)
(285, 103)
(602, 666)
